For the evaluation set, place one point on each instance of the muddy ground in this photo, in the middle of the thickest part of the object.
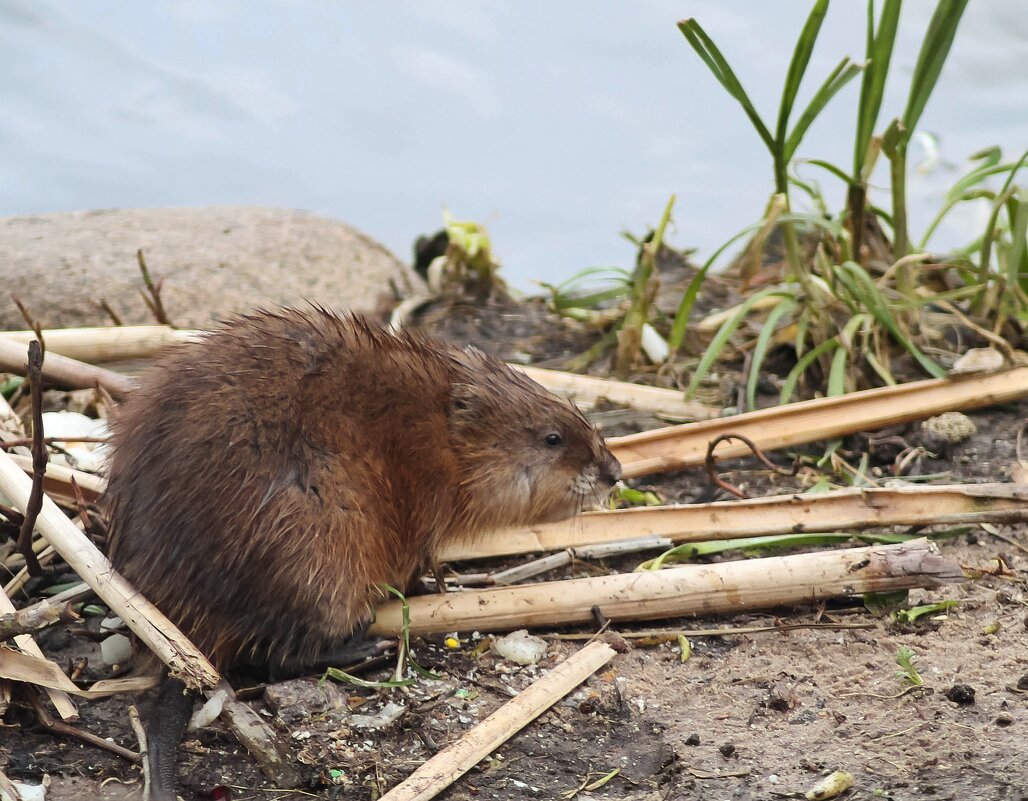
(746, 716)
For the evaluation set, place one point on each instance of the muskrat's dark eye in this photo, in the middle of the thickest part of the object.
(553, 440)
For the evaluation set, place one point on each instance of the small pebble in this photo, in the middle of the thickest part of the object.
(954, 427)
(694, 739)
(1003, 719)
(726, 749)
(116, 649)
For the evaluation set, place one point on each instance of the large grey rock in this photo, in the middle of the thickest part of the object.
(214, 261)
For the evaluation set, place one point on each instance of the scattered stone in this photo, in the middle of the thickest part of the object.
(1022, 683)
(116, 649)
(962, 694)
(300, 699)
(727, 750)
(692, 739)
(953, 427)
(1003, 719)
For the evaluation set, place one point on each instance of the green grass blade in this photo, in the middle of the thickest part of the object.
(829, 167)
(989, 236)
(718, 65)
(1017, 263)
(681, 320)
(760, 349)
(797, 68)
(934, 50)
(837, 373)
(726, 330)
(843, 73)
(588, 301)
(691, 550)
(964, 189)
(863, 289)
(872, 89)
(807, 359)
(879, 368)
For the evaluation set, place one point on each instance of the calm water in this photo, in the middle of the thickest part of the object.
(558, 124)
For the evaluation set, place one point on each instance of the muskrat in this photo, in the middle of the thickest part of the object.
(269, 478)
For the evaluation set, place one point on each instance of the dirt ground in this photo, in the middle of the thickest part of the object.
(745, 717)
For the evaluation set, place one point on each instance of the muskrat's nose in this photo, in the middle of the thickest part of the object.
(610, 471)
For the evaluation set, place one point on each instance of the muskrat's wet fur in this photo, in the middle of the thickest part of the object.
(268, 478)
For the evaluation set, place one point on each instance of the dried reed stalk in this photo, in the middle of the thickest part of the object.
(61, 701)
(840, 510)
(678, 447)
(455, 760)
(152, 627)
(122, 343)
(64, 372)
(58, 477)
(686, 590)
(105, 344)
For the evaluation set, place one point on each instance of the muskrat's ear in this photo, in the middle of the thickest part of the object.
(467, 402)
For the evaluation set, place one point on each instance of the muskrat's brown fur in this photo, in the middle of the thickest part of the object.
(269, 477)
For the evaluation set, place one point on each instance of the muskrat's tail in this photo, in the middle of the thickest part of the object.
(169, 717)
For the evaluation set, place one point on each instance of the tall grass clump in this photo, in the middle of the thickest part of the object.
(855, 299)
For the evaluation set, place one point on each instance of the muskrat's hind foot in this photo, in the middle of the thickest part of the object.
(354, 650)
(167, 725)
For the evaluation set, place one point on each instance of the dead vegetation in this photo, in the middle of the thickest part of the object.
(886, 562)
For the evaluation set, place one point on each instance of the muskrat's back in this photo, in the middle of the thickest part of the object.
(268, 478)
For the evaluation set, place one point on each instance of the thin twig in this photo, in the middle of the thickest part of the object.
(80, 503)
(59, 727)
(153, 301)
(103, 304)
(711, 463)
(39, 458)
(16, 443)
(31, 321)
(140, 732)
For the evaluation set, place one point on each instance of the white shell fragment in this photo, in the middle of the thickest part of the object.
(208, 713)
(112, 623)
(520, 647)
(30, 792)
(654, 345)
(978, 360)
(65, 426)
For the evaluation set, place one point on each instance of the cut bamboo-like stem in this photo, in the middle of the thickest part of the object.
(105, 344)
(122, 343)
(587, 391)
(677, 447)
(455, 760)
(58, 477)
(687, 590)
(149, 624)
(840, 510)
(63, 372)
